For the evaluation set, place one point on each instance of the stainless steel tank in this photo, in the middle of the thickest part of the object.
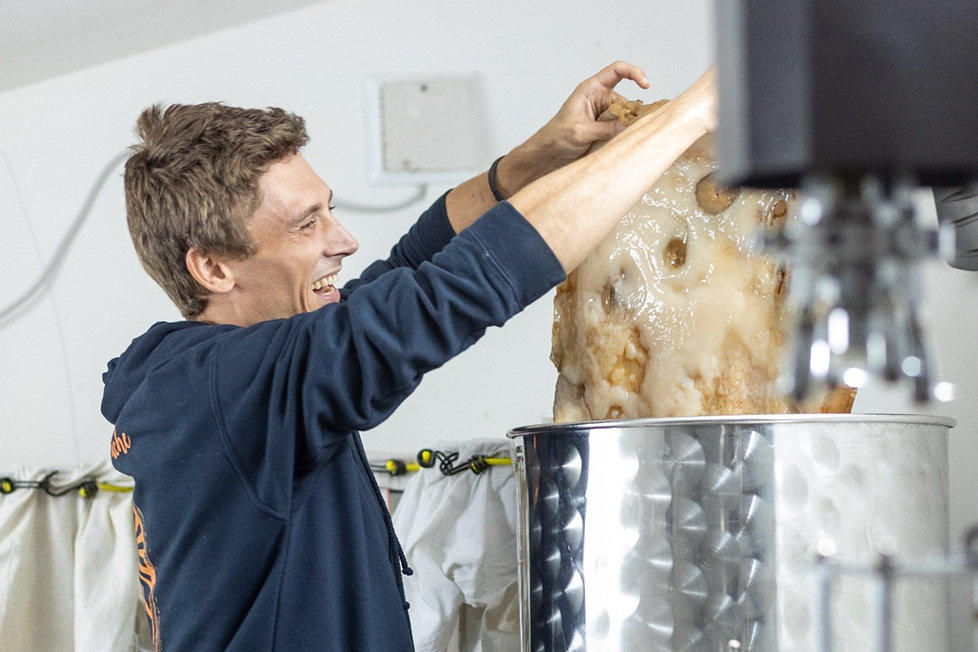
(697, 533)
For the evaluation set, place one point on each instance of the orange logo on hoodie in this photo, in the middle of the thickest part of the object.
(147, 577)
(120, 444)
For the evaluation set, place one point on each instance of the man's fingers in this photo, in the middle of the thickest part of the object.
(600, 89)
(619, 70)
(603, 102)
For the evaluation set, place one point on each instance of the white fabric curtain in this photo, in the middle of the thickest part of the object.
(68, 566)
(459, 535)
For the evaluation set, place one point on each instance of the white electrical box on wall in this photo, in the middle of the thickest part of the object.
(425, 129)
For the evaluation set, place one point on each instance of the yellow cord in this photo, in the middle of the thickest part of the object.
(480, 463)
(105, 486)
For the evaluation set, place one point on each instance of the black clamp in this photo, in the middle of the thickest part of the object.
(396, 468)
(427, 458)
(478, 464)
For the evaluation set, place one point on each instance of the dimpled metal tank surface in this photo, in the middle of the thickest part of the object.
(699, 533)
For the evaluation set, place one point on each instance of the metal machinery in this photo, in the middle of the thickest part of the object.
(951, 579)
(858, 103)
(701, 534)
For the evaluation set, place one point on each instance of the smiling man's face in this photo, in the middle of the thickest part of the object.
(300, 244)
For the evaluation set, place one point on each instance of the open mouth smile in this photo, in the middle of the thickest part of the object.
(325, 287)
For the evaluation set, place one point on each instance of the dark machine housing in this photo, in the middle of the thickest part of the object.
(847, 87)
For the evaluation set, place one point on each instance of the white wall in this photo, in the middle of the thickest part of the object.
(58, 134)
(55, 37)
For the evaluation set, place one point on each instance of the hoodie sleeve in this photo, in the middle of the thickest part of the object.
(427, 236)
(347, 366)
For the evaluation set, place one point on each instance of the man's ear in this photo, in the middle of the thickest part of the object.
(210, 271)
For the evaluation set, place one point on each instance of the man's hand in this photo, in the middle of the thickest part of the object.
(565, 138)
(570, 133)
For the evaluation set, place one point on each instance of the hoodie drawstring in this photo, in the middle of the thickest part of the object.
(395, 545)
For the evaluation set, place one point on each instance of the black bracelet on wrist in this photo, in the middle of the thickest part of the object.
(492, 180)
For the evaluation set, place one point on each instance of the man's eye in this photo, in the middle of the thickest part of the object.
(332, 208)
(309, 225)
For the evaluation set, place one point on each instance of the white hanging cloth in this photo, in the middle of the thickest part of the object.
(459, 535)
(68, 566)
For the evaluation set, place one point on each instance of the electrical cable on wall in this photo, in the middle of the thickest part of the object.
(59, 325)
(20, 305)
(418, 195)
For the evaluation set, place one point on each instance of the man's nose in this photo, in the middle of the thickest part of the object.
(339, 241)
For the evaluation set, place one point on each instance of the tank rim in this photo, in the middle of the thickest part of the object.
(733, 420)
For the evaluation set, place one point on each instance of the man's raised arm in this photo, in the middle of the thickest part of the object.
(564, 139)
(575, 207)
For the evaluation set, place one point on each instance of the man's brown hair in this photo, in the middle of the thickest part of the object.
(193, 182)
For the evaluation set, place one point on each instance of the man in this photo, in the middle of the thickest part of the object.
(259, 524)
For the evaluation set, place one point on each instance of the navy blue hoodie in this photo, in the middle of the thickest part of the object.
(259, 525)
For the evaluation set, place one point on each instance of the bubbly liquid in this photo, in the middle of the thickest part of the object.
(677, 312)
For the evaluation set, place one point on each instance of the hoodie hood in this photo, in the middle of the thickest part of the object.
(147, 353)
